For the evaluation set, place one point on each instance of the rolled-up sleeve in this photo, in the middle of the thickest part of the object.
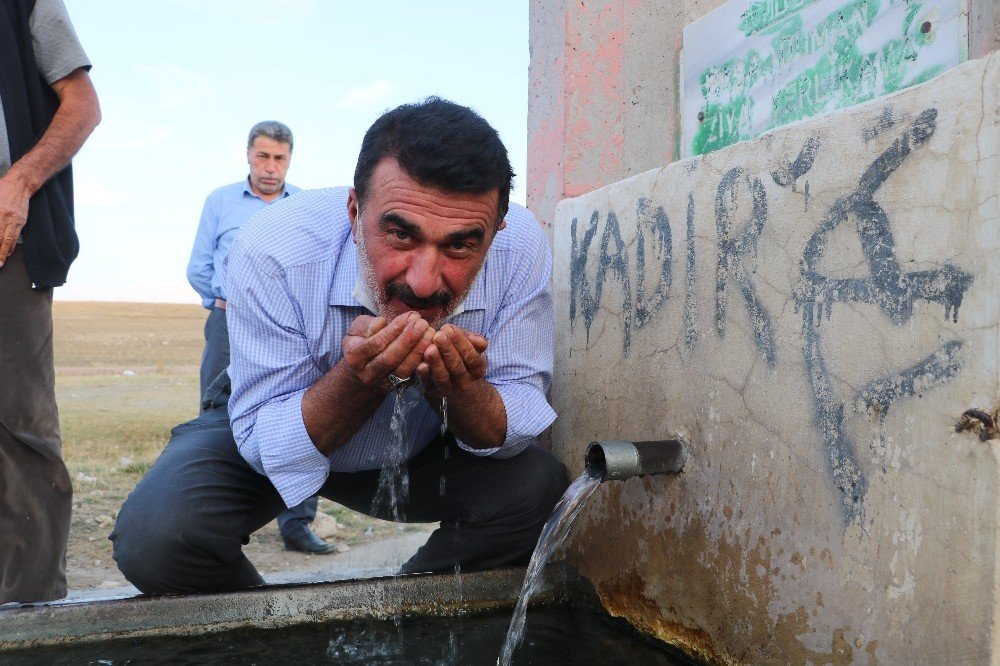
(521, 348)
(271, 368)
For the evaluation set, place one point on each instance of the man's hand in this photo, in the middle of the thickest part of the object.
(449, 364)
(76, 117)
(339, 403)
(454, 361)
(14, 196)
(375, 348)
(454, 367)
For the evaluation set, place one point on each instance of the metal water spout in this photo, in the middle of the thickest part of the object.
(618, 459)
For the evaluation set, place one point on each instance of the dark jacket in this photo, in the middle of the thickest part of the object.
(29, 104)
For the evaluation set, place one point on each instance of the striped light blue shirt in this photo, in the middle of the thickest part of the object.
(290, 276)
(225, 211)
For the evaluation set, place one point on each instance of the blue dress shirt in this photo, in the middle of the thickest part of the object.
(226, 210)
(291, 275)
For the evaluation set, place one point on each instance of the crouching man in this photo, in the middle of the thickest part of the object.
(372, 313)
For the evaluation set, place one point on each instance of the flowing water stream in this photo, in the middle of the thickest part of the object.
(553, 534)
(444, 416)
(393, 491)
(393, 481)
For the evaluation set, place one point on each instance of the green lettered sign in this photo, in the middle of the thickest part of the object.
(750, 66)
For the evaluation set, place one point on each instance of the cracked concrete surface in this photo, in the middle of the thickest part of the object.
(804, 527)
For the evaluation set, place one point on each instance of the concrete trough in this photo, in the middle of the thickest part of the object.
(65, 623)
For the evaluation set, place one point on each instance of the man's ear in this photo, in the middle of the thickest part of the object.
(503, 220)
(352, 212)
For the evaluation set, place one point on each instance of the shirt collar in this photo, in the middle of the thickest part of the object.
(248, 190)
(345, 276)
(350, 292)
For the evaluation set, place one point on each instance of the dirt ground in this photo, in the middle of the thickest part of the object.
(126, 373)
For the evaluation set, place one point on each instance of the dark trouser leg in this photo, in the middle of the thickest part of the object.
(36, 497)
(35, 489)
(294, 522)
(184, 526)
(215, 358)
(491, 511)
(182, 529)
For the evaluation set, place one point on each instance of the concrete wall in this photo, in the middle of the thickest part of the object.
(604, 92)
(814, 310)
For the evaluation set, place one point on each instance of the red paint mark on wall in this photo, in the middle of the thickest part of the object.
(595, 97)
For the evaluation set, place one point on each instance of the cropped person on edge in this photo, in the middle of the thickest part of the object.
(401, 282)
(46, 92)
(269, 154)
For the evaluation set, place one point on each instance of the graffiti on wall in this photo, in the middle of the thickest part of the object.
(642, 274)
(638, 306)
(793, 59)
(888, 287)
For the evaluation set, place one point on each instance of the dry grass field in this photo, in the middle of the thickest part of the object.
(126, 373)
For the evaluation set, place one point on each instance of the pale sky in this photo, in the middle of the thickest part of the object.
(182, 81)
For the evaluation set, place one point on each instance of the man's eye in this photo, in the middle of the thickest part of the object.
(399, 234)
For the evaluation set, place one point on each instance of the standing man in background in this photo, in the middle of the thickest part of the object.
(269, 154)
(48, 108)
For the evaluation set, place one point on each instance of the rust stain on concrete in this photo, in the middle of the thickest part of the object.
(625, 599)
(708, 590)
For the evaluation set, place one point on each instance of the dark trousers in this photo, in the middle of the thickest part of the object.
(294, 522)
(215, 357)
(35, 490)
(183, 527)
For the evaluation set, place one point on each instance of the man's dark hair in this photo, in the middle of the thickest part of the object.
(439, 144)
(270, 129)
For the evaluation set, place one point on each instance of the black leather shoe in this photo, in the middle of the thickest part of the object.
(310, 544)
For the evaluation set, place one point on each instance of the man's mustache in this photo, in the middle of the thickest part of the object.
(402, 292)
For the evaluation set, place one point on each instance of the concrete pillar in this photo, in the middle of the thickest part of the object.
(604, 93)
